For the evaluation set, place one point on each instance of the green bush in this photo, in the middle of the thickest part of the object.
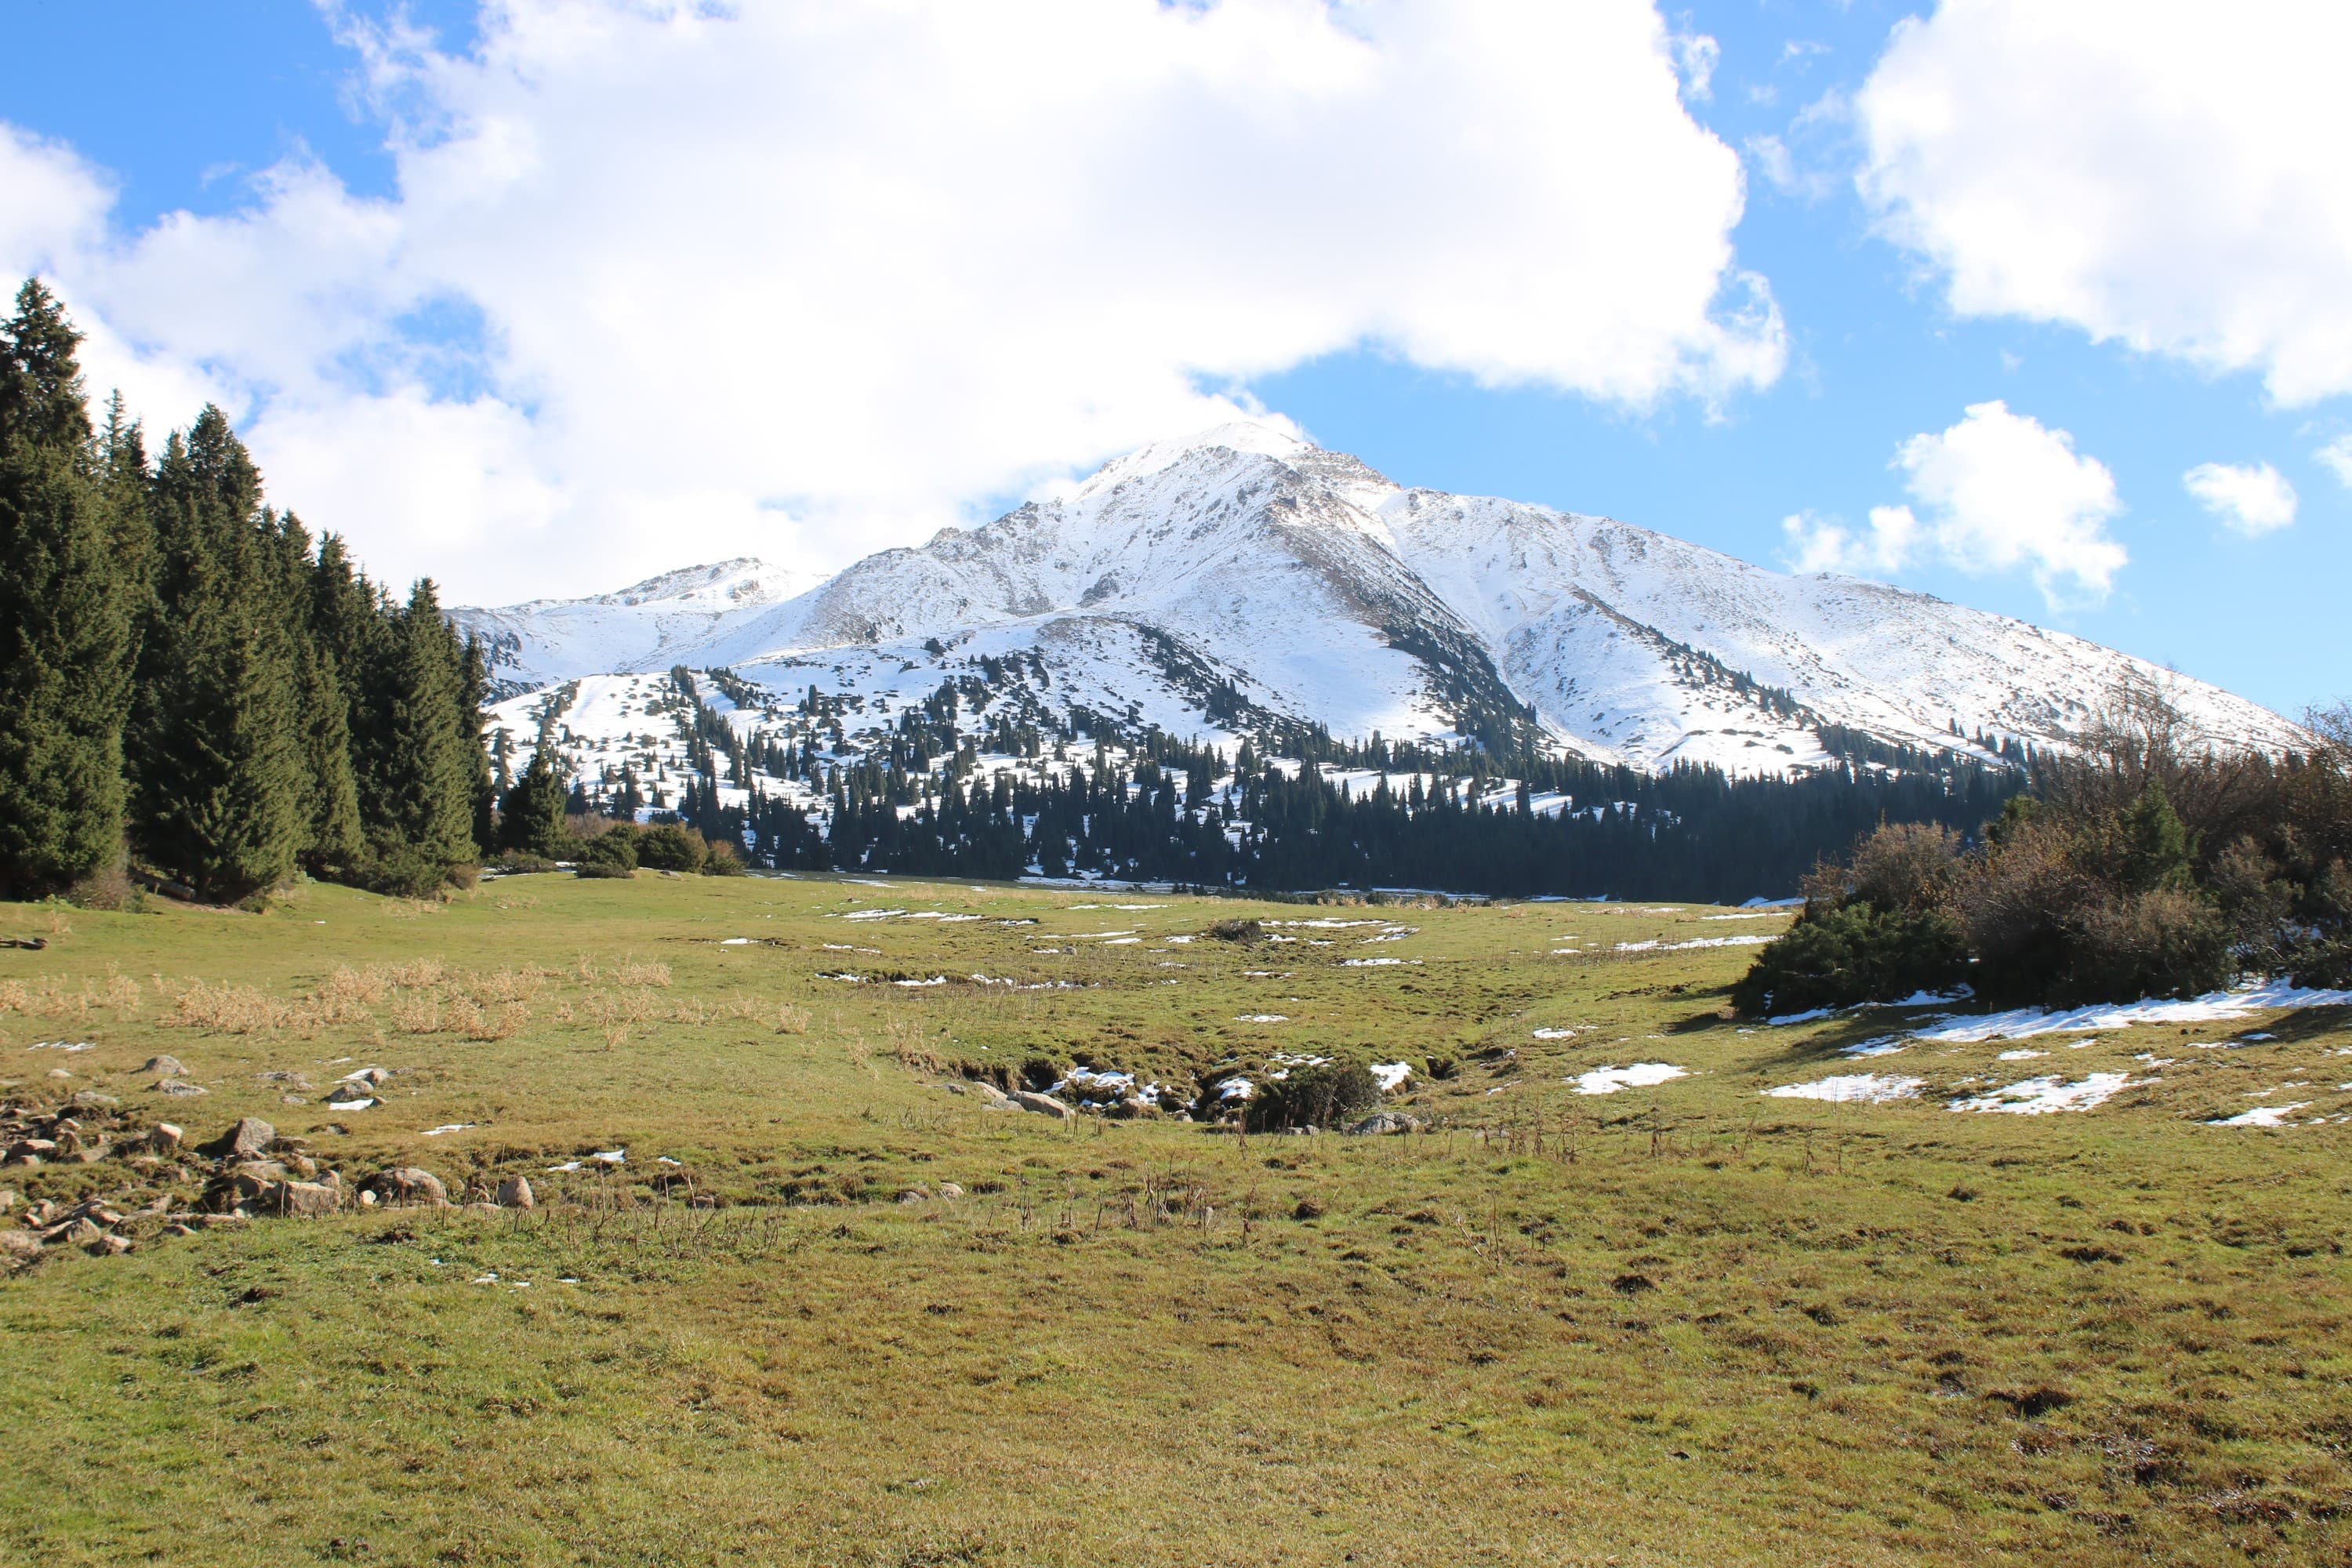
(1321, 1096)
(666, 847)
(1854, 954)
(723, 859)
(615, 849)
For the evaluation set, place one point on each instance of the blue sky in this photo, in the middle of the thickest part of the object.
(293, 139)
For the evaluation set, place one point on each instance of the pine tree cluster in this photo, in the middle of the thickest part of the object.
(191, 684)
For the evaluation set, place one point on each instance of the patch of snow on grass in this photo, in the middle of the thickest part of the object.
(2260, 1116)
(2019, 1054)
(2026, 1022)
(2036, 1096)
(1867, 1088)
(1555, 1034)
(1263, 1018)
(1884, 1046)
(1392, 1075)
(1641, 1075)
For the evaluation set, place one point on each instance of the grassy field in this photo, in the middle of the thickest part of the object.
(1681, 1323)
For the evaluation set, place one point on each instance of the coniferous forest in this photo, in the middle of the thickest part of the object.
(200, 694)
(193, 687)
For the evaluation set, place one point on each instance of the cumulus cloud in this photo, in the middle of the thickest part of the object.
(1997, 492)
(659, 283)
(2336, 456)
(2140, 171)
(2252, 499)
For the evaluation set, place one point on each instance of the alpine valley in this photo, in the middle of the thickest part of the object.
(1244, 606)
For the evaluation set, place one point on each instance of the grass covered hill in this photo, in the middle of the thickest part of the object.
(1613, 1300)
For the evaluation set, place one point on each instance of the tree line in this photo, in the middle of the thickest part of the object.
(2150, 863)
(194, 691)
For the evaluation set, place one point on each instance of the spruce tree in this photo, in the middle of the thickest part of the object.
(65, 645)
(423, 817)
(219, 786)
(531, 816)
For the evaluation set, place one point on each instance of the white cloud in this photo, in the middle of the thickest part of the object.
(2252, 499)
(2162, 175)
(2338, 457)
(1997, 492)
(810, 279)
(1697, 55)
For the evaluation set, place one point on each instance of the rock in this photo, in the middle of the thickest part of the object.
(988, 1094)
(407, 1185)
(8, 1199)
(109, 1246)
(250, 1136)
(950, 1190)
(301, 1198)
(1384, 1121)
(302, 1165)
(90, 1100)
(60, 1072)
(164, 1137)
(73, 1233)
(481, 1208)
(179, 1228)
(19, 1244)
(179, 1088)
(514, 1192)
(165, 1066)
(914, 1196)
(351, 1094)
(367, 1199)
(1043, 1104)
(367, 1076)
(31, 1151)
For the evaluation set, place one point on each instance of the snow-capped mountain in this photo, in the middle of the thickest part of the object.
(1243, 580)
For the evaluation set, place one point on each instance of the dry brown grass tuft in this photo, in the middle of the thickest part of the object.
(631, 973)
(232, 1010)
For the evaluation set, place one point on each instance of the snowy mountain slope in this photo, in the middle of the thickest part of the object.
(1243, 580)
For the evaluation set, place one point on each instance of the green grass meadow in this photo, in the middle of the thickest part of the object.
(1686, 1323)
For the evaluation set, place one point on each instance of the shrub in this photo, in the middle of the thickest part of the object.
(1236, 931)
(668, 848)
(518, 864)
(615, 849)
(403, 872)
(604, 868)
(2163, 942)
(723, 859)
(1321, 1096)
(1854, 954)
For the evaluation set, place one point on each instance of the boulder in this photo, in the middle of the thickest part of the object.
(914, 1196)
(1384, 1121)
(514, 1192)
(950, 1190)
(988, 1094)
(407, 1185)
(354, 1094)
(301, 1198)
(165, 1066)
(179, 1088)
(109, 1246)
(1043, 1104)
(250, 1136)
(90, 1100)
(73, 1233)
(31, 1151)
(19, 1244)
(164, 1137)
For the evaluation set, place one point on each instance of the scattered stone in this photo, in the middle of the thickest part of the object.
(250, 1137)
(1043, 1104)
(109, 1246)
(368, 1076)
(514, 1192)
(31, 1151)
(988, 1094)
(165, 1066)
(164, 1137)
(8, 1199)
(179, 1228)
(19, 1244)
(407, 1185)
(1384, 1121)
(302, 1198)
(481, 1208)
(90, 1100)
(72, 1233)
(914, 1196)
(179, 1088)
(351, 1094)
(60, 1072)
(950, 1190)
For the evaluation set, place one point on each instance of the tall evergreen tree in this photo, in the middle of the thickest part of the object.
(219, 786)
(531, 817)
(422, 816)
(65, 639)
